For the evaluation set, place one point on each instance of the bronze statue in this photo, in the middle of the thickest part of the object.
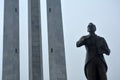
(95, 65)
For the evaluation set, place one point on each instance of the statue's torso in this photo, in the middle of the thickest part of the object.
(93, 44)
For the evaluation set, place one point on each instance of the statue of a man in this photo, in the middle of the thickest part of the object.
(95, 65)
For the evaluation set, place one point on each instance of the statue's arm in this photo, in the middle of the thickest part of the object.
(107, 50)
(80, 42)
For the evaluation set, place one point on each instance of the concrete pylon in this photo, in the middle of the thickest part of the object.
(57, 63)
(35, 41)
(10, 69)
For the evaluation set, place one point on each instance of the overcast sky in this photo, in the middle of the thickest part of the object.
(105, 14)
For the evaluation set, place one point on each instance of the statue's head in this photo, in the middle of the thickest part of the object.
(91, 28)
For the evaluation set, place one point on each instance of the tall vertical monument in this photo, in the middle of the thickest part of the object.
(35, 41)
(11, 41)
(57, 65)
